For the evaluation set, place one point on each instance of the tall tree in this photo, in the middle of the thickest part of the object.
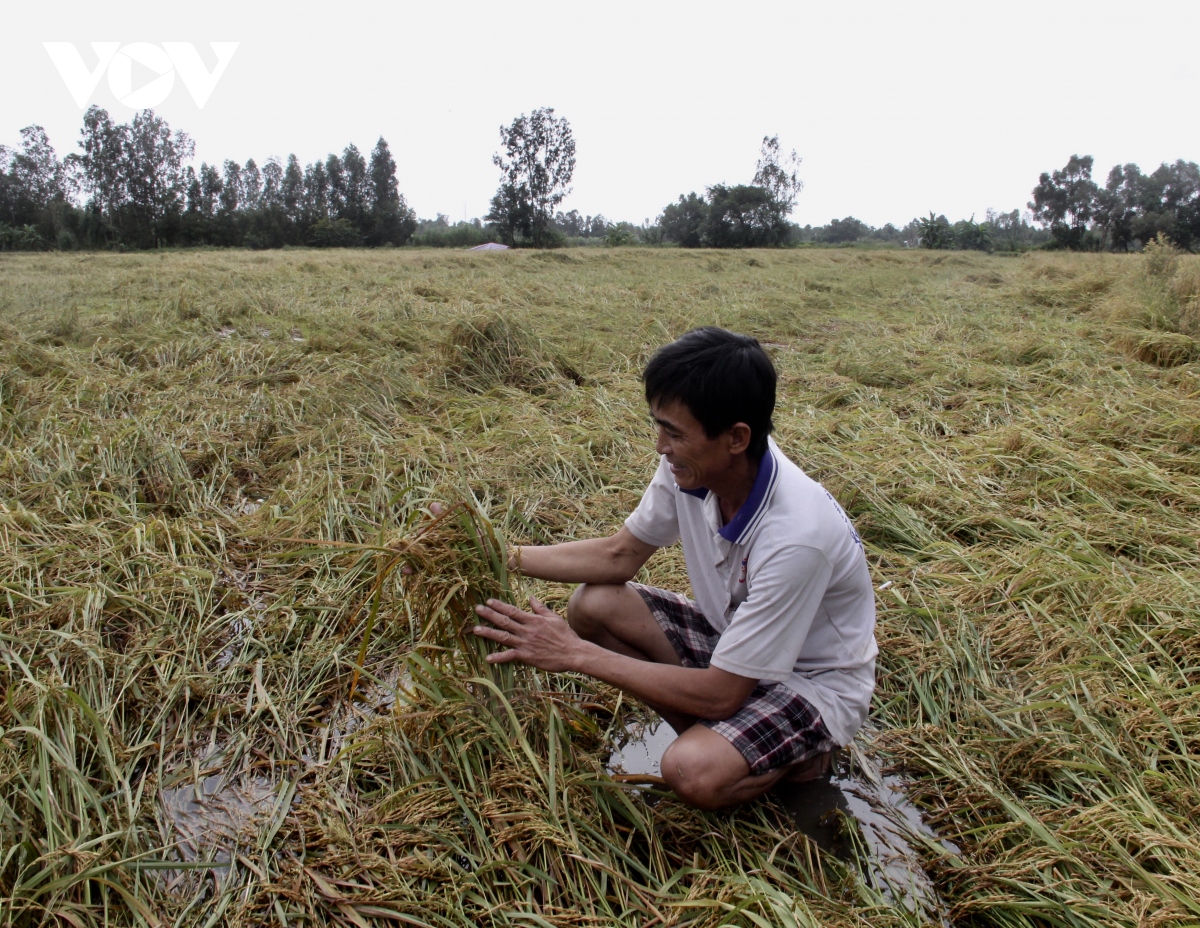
(292, 190)
(337, 186)
(683, 222)
(1119, 206)
(535, 172)
(251, 185)
(778, 175)
(392, 222)
(742, 216)
(31, 179)
(1064, 201)
(355, 203)
(510, 212)
(102, 165)
(1180, 200)
(231, 189)
(272, 185)
(316, 193)
(155, 177)
(210, 190)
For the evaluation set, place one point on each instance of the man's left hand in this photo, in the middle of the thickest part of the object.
(541, 638)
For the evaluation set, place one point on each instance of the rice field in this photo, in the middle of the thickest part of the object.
(236, 685)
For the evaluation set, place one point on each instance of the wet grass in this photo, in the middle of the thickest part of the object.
(216, 472)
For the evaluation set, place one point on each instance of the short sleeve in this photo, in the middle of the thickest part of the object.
(656, 518)
(767, 631)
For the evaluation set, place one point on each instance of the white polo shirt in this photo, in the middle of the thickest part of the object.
(785, 584)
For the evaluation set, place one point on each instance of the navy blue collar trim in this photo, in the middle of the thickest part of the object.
(747, 516)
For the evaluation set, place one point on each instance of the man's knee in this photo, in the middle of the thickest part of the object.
(590, 606)
(696, 776)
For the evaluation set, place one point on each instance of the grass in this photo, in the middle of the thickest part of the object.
(218, 558)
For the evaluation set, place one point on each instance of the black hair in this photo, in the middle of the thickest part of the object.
(723, 378)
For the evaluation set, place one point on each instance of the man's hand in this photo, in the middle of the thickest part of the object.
(541, 638)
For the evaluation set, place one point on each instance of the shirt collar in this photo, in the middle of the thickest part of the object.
(749, 514)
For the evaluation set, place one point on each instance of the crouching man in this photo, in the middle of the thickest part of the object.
(772, 667)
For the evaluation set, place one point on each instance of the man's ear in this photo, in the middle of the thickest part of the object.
(739, 437)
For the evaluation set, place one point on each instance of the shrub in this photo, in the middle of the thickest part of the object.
(335, 233)
(1161, 258)
(20, 238)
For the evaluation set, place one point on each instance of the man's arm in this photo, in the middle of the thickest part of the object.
(615, 559)
(543, 639)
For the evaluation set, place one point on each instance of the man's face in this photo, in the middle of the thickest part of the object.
(695, 458)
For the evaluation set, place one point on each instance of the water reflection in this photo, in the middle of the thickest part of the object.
(814, 806)
(640, 749)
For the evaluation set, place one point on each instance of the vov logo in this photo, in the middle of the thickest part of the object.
(154, 66)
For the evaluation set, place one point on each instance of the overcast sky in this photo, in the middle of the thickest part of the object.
(897, 108)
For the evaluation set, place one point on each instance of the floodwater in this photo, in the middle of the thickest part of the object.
(857, 796)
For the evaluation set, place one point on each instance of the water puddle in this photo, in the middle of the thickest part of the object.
(211, 817)
(640, 750)
(889, 830)
(244, 505)
(857, 805)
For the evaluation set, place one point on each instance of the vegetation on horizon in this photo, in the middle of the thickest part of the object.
(141, 193)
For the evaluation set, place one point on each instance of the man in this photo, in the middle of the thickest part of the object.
(773, 666)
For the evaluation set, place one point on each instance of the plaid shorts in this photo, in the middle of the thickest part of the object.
(775, 727)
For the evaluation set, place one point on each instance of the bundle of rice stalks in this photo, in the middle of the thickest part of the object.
(494, 350)
(457, 562)
(448, 565)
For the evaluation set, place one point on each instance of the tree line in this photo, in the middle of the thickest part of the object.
(1130, 210)
(139, 191)
(133, 186)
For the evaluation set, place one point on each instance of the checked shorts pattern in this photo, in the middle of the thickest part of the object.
(776, 726)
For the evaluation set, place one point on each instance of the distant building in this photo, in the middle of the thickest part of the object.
(490, 246)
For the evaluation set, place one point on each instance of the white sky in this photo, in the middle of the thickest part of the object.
(896, 108)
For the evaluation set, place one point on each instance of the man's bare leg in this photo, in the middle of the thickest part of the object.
(705, 770)
(617, 618)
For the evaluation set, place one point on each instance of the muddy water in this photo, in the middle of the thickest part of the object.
(856, 805)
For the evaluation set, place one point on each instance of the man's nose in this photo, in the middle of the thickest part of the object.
(661, 445)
